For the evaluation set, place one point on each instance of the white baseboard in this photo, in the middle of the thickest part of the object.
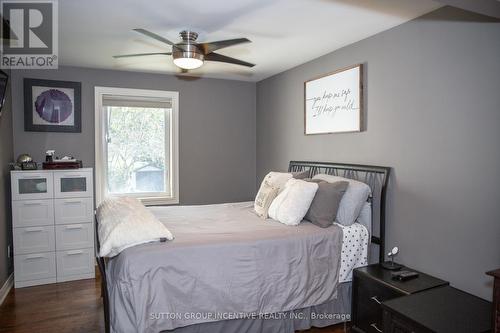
(7, 286)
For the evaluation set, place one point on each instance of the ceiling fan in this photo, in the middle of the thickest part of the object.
(189, 54)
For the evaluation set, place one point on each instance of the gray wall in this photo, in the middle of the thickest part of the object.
(433, 114)
(5, 207)
(216, 129)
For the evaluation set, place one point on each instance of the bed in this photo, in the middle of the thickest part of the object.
(230, 271)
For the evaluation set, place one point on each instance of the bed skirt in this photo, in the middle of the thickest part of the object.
(330, 313)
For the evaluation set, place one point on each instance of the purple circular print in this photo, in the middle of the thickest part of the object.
(53, 106)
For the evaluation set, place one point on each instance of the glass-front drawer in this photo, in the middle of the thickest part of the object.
(73, 184)
(31, 185)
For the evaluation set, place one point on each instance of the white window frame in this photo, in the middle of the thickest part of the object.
(100, 144)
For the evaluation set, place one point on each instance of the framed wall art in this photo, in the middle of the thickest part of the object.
(52, 106)
(333, 103)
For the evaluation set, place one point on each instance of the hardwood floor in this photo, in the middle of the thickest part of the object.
(62, 307)
(73, 307)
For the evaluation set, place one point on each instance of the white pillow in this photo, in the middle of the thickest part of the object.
(353, 200)
(291, 205)
(125, 222)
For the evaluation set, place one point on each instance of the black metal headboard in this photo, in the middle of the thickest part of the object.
(374, 176)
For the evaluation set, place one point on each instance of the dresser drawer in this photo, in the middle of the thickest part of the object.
(35, 266)
(74, 263)
(73, 184)
(32, 213)
(73, 210)
(32, 185)
(74, 236)
(33, 240)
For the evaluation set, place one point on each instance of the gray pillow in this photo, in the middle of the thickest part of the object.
(325, 204)
(300, 174)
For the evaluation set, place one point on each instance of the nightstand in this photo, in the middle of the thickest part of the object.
(443, 310)
(371, 285)
(496, 300)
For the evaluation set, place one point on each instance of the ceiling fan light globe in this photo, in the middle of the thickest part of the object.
(188, 63)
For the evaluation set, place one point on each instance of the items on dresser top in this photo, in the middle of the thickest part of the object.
(496, 300)
(373, 285)
(24, 162)
(66, 162)
(52, 214)
(441, 310)
(61, 164)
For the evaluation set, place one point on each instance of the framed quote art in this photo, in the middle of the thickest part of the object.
(333, 103)
(52, 106)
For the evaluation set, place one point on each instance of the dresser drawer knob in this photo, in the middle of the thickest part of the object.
(375, 327)
(73, 227)
(72, 202)
(33, 229)
(35, 256)
(32, 203)
(375, 299)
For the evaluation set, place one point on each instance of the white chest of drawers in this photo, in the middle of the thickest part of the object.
(53, 226)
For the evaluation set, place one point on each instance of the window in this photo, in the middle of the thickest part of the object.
(137, 144)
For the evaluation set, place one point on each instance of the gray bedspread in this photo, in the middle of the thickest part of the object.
(224, 263)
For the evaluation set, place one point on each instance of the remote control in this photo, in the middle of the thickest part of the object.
(404, 275)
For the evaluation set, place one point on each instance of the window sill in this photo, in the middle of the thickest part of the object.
(159, 201)
(150, 200)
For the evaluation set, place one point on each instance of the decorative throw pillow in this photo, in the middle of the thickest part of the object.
(324, 207)
(300, 174)
(353, 200)
(264, 198)
(266, 194)
(278, 179)
(292, 203)
(125, 222)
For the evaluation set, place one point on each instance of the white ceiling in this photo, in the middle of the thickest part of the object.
(284, 33)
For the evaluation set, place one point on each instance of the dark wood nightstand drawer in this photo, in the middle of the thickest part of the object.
(370, 293)
(373, 285)
(394, 324)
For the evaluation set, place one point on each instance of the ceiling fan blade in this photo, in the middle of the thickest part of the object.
(141, 54)
(222, 58)
(213, 46)
(153, 35)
